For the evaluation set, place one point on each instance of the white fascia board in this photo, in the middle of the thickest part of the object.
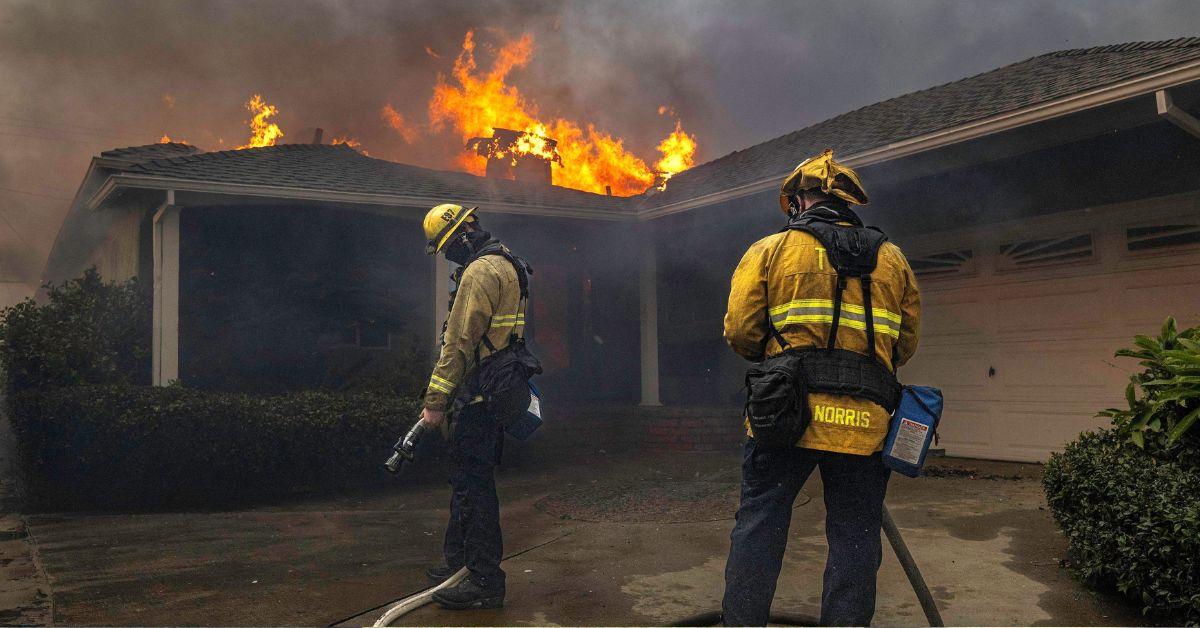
(1108, 94)
(146, 182)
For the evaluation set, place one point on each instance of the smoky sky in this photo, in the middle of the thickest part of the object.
(80, 77)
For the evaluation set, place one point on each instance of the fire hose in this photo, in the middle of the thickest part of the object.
(405, 451)
(414, 602)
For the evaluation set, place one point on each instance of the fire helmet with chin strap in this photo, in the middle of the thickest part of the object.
(824, 174)
(442, 221)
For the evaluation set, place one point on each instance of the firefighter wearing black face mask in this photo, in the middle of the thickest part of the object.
(486, 313)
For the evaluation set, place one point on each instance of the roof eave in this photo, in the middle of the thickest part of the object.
(1146, 84)
(150, 182)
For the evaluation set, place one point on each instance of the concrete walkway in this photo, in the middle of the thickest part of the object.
(592, 538)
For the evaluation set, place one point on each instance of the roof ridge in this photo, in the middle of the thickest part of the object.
(1178, 42)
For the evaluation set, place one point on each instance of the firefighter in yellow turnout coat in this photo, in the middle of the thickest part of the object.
(787, 281)
(487, 310)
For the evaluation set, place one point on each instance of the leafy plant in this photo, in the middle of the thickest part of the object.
(89, 332)
(1168, 408)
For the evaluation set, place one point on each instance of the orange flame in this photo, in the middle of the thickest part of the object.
(396, 121)
(678, 154)
(349, 141)
(262, 132)
(479, 102)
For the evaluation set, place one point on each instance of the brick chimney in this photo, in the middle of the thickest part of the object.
(507, 159)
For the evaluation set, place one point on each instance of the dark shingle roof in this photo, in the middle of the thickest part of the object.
(339, 168)
(136, 154)
(1037, 80)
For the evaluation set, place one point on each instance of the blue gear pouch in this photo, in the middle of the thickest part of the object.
(913, 427)
(530, 420)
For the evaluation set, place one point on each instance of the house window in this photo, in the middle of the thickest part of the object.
(1156, 237)
(1046, 251)
(948, 264)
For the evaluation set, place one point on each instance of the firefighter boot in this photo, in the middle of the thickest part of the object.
(440, 574)
(468, 594)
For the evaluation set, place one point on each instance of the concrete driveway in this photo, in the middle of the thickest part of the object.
(591, 538)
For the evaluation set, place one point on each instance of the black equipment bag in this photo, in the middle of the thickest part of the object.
(503, 377)
(777, 401)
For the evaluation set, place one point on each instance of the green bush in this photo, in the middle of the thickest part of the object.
(1128, 498)
(89, 332)
(118, 445)
(1132, 522)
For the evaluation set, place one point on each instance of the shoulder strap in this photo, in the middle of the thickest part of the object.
(853, 251)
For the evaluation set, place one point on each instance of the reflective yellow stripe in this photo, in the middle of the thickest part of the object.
(798, 303)
(878, 312)
(508, 320)
(437, 383)
(827, 319)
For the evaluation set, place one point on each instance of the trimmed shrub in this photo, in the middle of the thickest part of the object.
(1128, 498)
(90, 332)
(1132, 522)
(116, 445)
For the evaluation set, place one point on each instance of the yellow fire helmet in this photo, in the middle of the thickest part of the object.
(823, 173)
(442, 221)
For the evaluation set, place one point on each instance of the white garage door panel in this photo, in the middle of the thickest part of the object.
(1058, 371)
(950, 366)
(971, 427)
(1032, 432)
(1066, 313)
(952, 321)
(1147, 299)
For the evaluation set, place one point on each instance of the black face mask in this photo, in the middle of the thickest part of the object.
(464, 245)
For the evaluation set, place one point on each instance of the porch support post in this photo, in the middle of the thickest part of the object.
(165, 338)
(648, 291)
(441, 294)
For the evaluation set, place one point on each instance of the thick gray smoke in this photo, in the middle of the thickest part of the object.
(81, 77)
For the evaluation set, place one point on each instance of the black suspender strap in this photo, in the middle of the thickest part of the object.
(866, 289)
(837, 310)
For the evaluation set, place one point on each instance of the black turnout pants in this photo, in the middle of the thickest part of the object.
(854, 491)
(473, 537)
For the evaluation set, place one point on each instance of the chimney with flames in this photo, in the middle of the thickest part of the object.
(517, 155)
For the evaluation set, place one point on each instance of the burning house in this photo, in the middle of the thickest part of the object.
(1051, 209)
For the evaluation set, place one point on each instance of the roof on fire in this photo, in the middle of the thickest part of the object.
(306, 169)
(339, 168)
(1028, 83)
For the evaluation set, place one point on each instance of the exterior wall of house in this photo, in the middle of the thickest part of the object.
(584, 321)
(294, 297)
(118, 257)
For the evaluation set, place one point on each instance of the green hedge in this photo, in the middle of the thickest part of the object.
(1132, 522)
(115, 445)
(1128, 498)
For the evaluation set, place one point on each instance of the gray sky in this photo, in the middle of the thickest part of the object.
(80, 77)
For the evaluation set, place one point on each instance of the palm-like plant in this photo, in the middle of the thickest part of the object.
(1169, 405)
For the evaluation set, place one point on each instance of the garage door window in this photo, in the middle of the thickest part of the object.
(1162, 237)
(1046, 252)
(947, 264)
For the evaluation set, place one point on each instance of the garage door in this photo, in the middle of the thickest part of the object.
(1021, 322)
